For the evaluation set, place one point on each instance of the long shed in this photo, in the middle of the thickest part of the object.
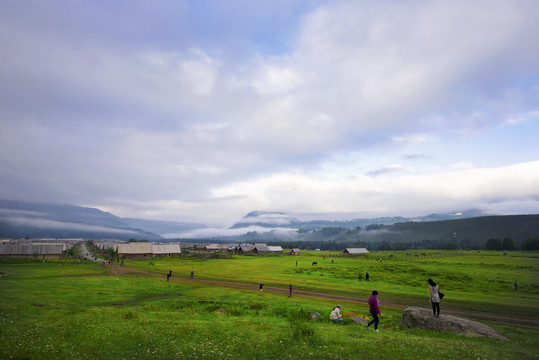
(43, 251)
(356, 251)
(166, 250)
(135, 250)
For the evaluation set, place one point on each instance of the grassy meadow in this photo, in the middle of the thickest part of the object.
(82, 310)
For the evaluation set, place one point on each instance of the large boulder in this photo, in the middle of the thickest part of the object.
(421, 318)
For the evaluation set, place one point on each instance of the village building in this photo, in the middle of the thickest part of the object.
(38, 250)
(212, 247)
(295, 251)
(275, 249)
(200, 247)
(356, 252)
(245, 248)
(166, 250)
(261, 249)
(134, 250)
(187, 246)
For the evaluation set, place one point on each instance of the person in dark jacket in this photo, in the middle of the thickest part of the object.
(434, 292)
(374, 308)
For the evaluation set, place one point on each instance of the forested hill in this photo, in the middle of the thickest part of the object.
(469, 233)
(462, 231)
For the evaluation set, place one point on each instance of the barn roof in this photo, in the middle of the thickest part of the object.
(356, 250)
(261, 248)
(171, 248)
(31, 249)
(135, 248)
(246, 247)
(275, 248)
(296, 250)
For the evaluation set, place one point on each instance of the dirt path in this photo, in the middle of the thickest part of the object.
(495, 318)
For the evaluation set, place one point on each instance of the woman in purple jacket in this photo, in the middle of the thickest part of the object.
(374, 308)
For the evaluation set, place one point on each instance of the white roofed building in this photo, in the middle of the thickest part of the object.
(164, 250)
(356, 251)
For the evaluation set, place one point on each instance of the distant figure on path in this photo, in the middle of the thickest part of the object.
(169, 275)
(290, 295)
(374, 308)
(332, 261)
(434, 297)
(260, 289)
(192, 274)
(516, 286)
(335, 315)
(367, 276)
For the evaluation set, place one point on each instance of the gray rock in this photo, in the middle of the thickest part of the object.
(314, 315)
(357, 319)
(421, 318)
(221, 312)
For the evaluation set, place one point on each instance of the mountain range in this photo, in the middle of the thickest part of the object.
(24, 219)
(40, 220)
(269, 219)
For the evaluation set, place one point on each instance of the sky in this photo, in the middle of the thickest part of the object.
(202, 111)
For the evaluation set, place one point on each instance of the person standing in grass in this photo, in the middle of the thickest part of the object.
(516, 286)
(367, 276)
(374, 308)
(260, 289)
(192, 274)
(290, 291)
(335, 315)
(434, 290)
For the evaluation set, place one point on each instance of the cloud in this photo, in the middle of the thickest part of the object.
(388, 170)
(207, 112)
(214, 232)
(62, 225)
(398, 193)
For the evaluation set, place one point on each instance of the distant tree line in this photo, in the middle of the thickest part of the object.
(529, 244)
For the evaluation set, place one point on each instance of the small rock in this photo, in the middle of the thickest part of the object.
(314, 315)
(357, 319)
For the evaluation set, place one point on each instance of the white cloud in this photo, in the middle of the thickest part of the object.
(188, 129)
(400, 193)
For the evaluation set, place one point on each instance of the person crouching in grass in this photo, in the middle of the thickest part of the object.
(335, 315)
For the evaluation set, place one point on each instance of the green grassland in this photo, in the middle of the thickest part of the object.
(82, 310)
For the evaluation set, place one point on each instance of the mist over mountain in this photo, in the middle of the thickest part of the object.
(269, 219)
(25, 219)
